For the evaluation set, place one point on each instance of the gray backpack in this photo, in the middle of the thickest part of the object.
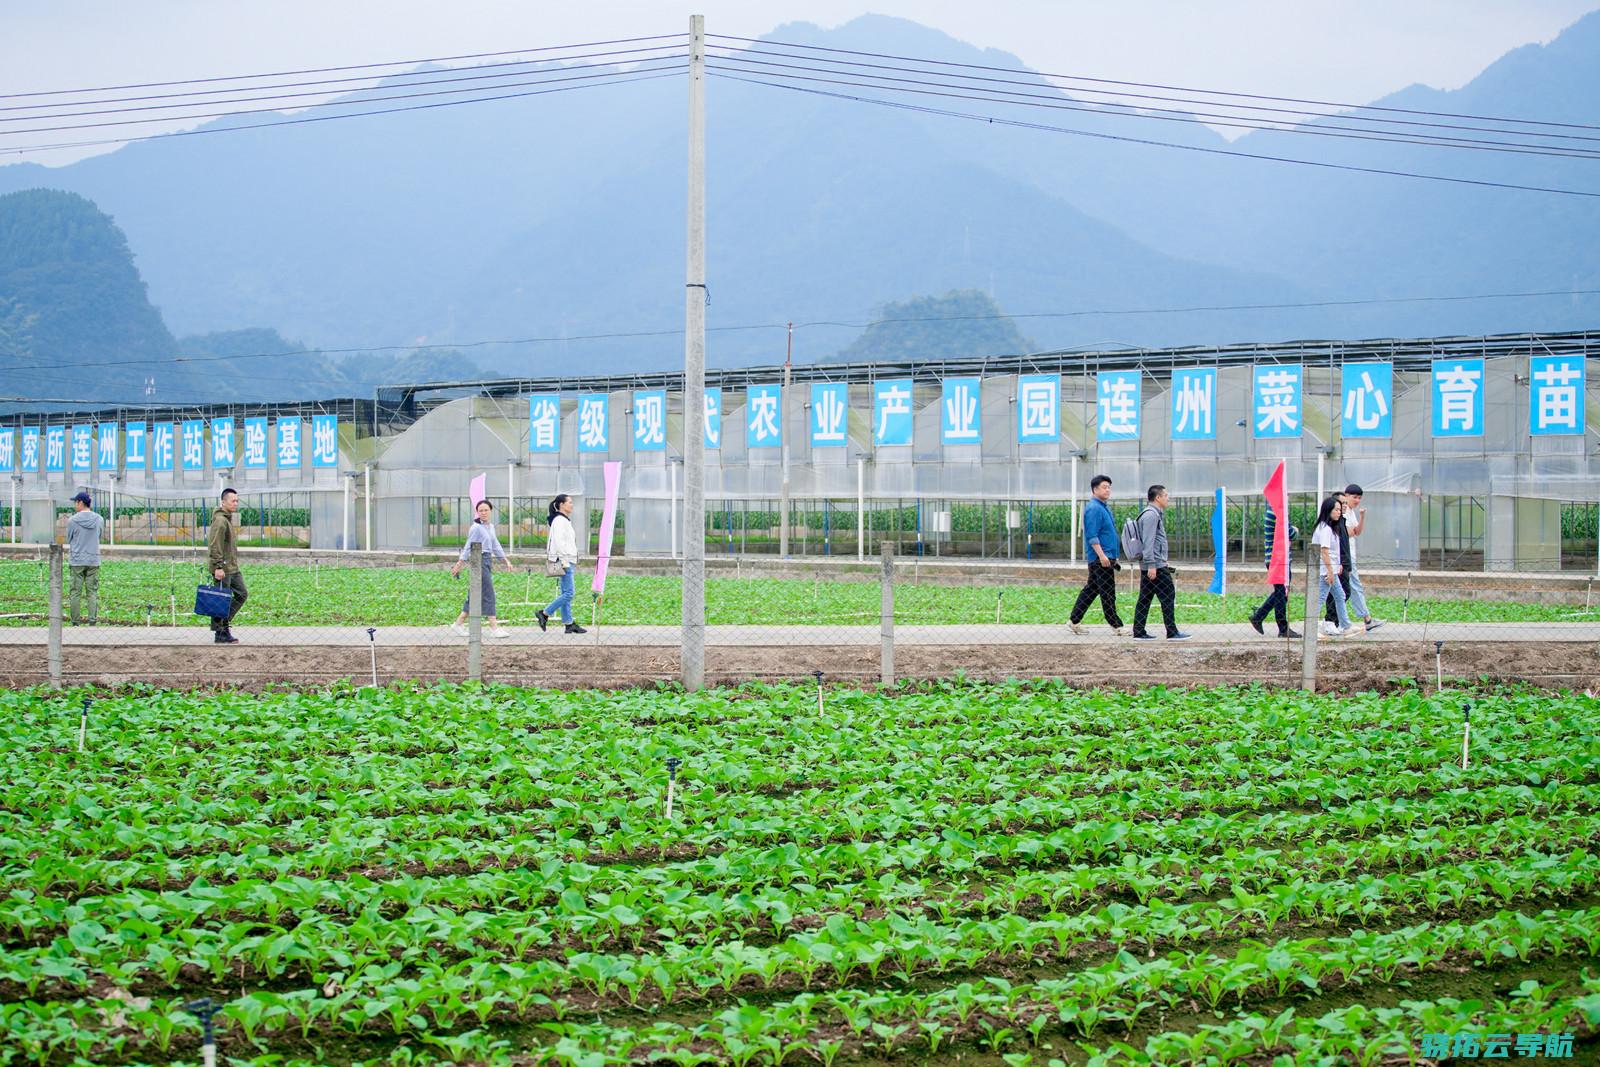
(1132, 545)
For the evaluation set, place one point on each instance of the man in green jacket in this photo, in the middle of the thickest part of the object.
(222, 545)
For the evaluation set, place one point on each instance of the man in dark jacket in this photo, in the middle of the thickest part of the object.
(1277, 602)
(222, 555)
(1100, 549)
(1155, 571)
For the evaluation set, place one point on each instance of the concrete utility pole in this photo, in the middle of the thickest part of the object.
(693, 652)
(783, 487)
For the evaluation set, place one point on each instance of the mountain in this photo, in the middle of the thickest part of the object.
(955, 325)
(558, 219)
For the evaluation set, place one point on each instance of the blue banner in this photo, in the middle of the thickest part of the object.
(55, 449)
(222, 444)
(830, 413)
(1219, 545)
(891, 412)
(650, 420)
(544, 423)
(194, 445)
(1194, 404)
(291, 454)
(1368, 407)
(324, 441)
(594, 422)
(961, 412)
(161, 455)
(1555, 395)
(1118, 393)
(30, 449)
(82, 448)
(713, 422)
(1458, 398)
(136, 436)
(255, 444)
(1038, 408)
(763, 416)
(8, 449)
(106, 440)
(1275, 400)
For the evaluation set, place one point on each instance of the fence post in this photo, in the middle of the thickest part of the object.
(54, 654)
(886, 614)
(1312, 624)
(475, 614)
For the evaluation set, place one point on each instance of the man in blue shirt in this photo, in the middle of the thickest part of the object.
(1101, 546)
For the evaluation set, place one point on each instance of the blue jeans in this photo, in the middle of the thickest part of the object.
(1326, 588)
(1358, 596)
(563, 601)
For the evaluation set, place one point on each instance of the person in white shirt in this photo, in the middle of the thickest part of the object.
(563, 549)
(482, 533)
(1326, 538)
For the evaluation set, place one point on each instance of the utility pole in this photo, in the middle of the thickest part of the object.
(692, 655)
(783, 488)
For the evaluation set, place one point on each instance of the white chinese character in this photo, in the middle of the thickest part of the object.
(1456, 385)
(713, 420)
(222, 443)
(647, 420)
(895, 400)
(255, 444)
(30, 451)
(829, 413)
(961, 412)
(136, 446)
(108, 446)
(1355, 404)
(55, 448)
(546, 416)
(289, 444)
(1118, 413)
(1558, 395)
(1277, 403)
(163, 449)
(194, 442)
(592, 422)
(1195, 404)
(80, 449)
(764, 415)
(6, 446)
(324, 441)
(1038, 409)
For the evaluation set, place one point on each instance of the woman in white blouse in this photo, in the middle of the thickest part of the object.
(563, 549)
(482, 533)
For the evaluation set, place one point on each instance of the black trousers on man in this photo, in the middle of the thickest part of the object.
(1276, 605)
(1102, 585)
(234, 582)
(1344, 583)
(1158, 588)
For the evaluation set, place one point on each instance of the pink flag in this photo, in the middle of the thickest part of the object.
(475, 493)
(608, 524)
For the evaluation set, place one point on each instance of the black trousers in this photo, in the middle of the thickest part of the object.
(1344, 583)
(1277, 605)
(235, 582)
(1102, 585)
(1158, 588)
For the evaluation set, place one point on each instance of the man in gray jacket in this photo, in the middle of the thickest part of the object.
(1155, 575)
(83, 556)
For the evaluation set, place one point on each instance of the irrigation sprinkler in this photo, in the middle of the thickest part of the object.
(149, 616)
(172, 602)
(1466, 732)
(83, 724)
(817, 674)
(204, 1010)
(999, 598)
(1405, 609)
(673, 763)
(372, 641)
(1438, 664)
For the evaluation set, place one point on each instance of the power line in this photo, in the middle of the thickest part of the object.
(993, 120)
(1039, 100)
(618, 78)
(1040, 80)
(1173, 88)
(386, 83)
(347, 67)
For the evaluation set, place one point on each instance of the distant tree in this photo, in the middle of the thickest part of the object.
(965, 322)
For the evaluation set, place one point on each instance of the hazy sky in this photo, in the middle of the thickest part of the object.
(1350, 50)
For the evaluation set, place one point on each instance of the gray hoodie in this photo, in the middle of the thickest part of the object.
(83, 539)
(1153, 537)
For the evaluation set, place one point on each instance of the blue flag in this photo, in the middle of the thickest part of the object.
(1219, 543)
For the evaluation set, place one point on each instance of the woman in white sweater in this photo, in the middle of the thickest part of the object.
(482, 533)
(563, 548)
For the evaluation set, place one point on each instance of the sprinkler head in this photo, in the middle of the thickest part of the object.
(372, 632)
(673, 763)
(1466, 712)
(1438, 646)
(818, 676)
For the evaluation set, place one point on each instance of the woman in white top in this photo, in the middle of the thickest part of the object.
(563, 548)
(1326, 538)
(482, 533)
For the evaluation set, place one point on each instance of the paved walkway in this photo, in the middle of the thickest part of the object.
(1235, 633)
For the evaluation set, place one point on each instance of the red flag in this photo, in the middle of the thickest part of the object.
(1277, 494)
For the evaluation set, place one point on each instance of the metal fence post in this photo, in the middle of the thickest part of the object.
(1312, 624)
(886, 614)
(54, 654)
(475, 614)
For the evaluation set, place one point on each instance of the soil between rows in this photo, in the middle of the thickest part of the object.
(1341, 668)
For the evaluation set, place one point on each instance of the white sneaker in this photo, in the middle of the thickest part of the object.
(1078, 627)
(457, 629)
(1328, 629)
(500, 631)
(1348, 630)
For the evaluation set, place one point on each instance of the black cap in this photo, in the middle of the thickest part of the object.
(1352, 490)
(82, 498)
